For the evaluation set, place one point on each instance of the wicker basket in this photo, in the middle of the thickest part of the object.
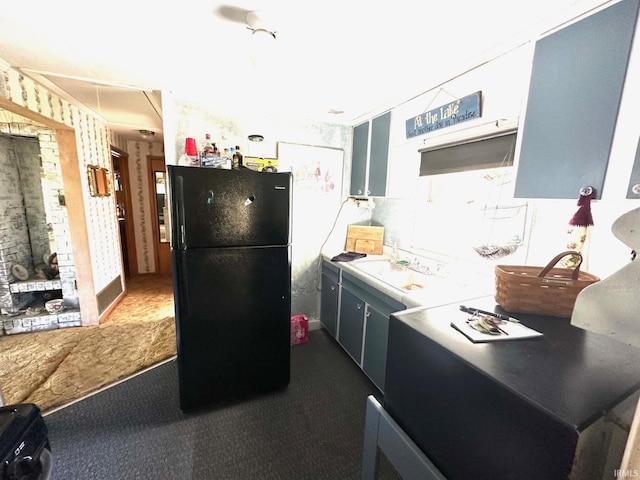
(545, 291)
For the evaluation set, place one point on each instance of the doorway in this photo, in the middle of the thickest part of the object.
(159, 214)
(122, 188)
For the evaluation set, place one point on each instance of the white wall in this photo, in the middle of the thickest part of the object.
(313, 212)
(441, 222)
(503, 83)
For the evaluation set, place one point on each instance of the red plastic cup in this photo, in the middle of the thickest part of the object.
(190, 147)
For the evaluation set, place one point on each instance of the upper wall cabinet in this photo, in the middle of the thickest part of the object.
(633, 191)
(370, 157)
(359, 157)
(575, 90)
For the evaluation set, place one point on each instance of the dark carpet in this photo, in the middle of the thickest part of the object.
(313, 429)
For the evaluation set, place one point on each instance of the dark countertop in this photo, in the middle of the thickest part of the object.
(527, 409)
(572, 374)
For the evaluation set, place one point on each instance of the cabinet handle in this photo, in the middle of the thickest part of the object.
(636, 189)
(333, 288)
(359, 306)
(368, 314)
(586, 190)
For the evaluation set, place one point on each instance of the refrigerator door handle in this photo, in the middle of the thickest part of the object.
(179, 193)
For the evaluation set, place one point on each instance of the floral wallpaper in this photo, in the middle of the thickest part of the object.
(94, 141)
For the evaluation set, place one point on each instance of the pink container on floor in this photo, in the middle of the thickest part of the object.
(299, 329)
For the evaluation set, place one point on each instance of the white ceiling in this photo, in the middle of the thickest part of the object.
(355, 56)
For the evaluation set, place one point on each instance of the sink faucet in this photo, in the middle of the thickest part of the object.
(416, 266)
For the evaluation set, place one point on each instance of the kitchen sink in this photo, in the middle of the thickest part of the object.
(400, 277)
(419, 288)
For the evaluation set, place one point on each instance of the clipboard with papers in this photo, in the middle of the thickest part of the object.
(499, 331)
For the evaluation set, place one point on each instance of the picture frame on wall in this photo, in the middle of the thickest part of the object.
(99, 185)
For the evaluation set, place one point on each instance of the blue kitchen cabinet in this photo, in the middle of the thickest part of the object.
(575, 90)
(351, 325)
(359, 154)
(329, 297)
(363, 325)
(633, 191)
(379, 155)
(370, 156)
(374, 359)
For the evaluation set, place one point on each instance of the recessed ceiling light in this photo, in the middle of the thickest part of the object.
(335, 111)
(146, 134)
(255, 138)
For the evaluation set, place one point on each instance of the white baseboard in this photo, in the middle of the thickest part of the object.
(314, 325)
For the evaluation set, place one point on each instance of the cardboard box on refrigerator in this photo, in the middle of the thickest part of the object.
(299, 329)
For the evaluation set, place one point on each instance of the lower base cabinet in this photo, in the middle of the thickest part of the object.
(352, 311)
(374, 359)
(329, 305)
(363, 325)
(329, 297)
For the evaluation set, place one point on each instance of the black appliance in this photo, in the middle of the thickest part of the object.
(231, 259)
(24, 444)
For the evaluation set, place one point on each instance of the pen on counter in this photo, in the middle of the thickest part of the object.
(495, 325)
(492, 314)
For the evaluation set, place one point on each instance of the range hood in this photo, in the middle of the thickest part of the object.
(484, 146)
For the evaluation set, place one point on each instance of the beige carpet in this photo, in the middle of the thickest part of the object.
(54, 367)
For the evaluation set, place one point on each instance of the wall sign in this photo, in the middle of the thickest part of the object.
(460, 110)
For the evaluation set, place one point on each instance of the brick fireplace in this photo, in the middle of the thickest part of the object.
(33, 225)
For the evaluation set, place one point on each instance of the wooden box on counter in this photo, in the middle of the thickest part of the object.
(365, 239)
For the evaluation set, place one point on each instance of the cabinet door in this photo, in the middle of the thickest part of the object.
(634, 182)
(359, 159)
(374, 360)
(379, 156)
(351, 324)
(575, 90)
(329, 305)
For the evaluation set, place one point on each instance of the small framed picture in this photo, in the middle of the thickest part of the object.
(99, 184)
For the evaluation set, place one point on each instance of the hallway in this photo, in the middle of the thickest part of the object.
(54, 367)
(149, 298)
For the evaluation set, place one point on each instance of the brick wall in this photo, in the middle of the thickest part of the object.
(32, 206)
(14, 235)
(27, 151)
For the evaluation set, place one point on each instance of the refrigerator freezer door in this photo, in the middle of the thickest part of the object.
(233, 314)
(220, 208)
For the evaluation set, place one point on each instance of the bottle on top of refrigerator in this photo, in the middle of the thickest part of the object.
(210, 154)
(207, 147)
(237, 158)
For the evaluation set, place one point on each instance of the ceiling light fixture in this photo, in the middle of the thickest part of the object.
(255, 138)
(146, 134)
(256, 24)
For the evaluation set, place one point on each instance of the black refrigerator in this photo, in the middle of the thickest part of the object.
(231, 259)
